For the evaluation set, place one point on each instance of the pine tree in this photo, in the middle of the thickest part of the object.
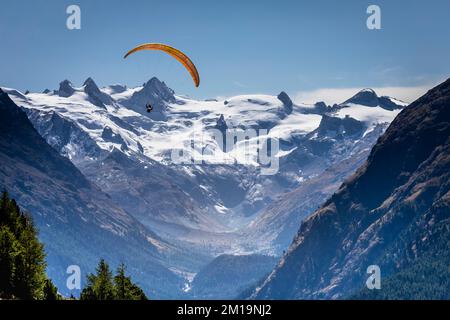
(29, 276)
(125, 289)
(50, 291)
(100, 285)
(22, 257)
(121, 283)
(4, 201)
(88, 293)
(8, 253)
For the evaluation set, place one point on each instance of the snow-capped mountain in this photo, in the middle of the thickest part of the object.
(368, 97)
(77, 222)
(393, 212)
(206, 206)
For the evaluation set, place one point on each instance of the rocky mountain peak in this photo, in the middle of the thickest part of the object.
(366, 97)
(287, 102)
(117, 88)
(321, 107)
(65, 89)
(158, 88)
(154, 92)
(96, 96)
(90, 83)
(221, 124)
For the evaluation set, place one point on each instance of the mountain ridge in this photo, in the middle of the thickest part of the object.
(71, 213)
(389, 226)
(202, 211)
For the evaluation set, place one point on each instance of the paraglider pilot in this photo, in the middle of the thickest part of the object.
(149, 107)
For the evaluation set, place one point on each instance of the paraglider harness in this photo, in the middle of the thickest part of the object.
(149, 107)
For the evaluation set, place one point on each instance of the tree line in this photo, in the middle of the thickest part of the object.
(103, 286)
(23, 265)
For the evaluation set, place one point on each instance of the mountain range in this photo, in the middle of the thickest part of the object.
(77, 221)
(128, 195)
(394, 213)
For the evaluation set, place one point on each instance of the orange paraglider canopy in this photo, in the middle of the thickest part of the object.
(177, 54)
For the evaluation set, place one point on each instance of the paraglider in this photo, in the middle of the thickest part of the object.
(177, 54)
(149, 107)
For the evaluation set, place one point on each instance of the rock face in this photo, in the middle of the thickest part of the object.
(64, 136)
(335, 127)
(320, 107)
(287, 102)
(96, 97)
(368, 97)
(77, 221)
(65, 89)
(221, 124)
(392, 212)
(109, 135)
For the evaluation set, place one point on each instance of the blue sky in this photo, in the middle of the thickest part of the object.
(302, 47)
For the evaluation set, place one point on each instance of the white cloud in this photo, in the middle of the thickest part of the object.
(338, 95)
